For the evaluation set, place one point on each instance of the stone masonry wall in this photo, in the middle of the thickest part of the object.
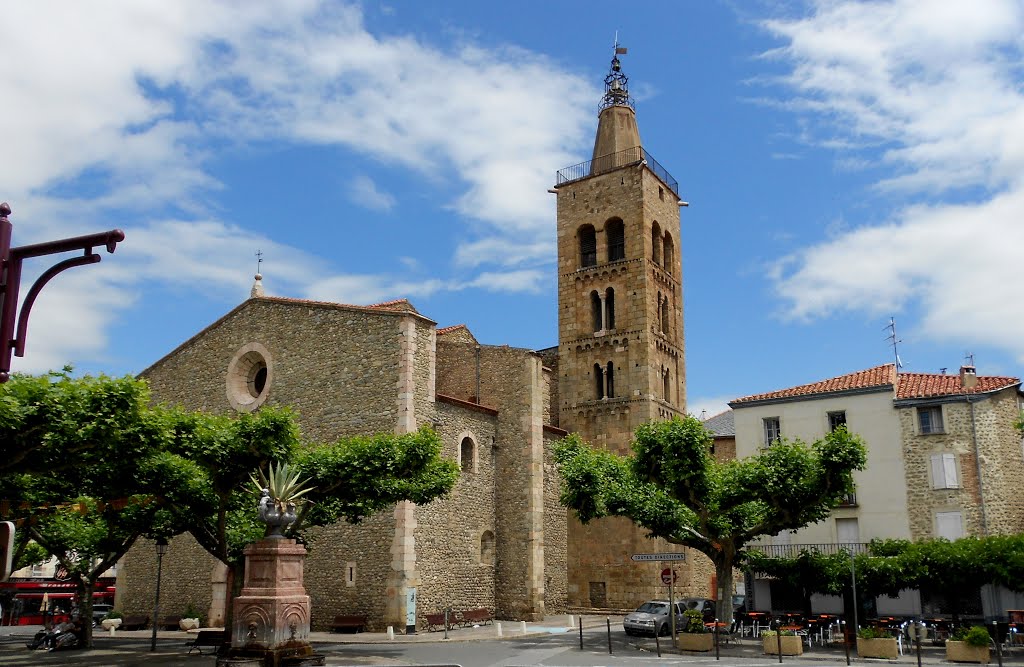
(185, 578)
(1002, 465)
(555, 535)
(449, 530)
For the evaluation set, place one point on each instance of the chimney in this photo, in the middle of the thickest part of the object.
(968, 377)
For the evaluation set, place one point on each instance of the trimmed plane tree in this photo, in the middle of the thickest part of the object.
(673, 487)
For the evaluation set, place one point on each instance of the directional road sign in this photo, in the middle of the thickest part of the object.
(657, 557)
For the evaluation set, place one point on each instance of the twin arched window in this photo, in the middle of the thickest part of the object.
(604, 380)
(602, 310)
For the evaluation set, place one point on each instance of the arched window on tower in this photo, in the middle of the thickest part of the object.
(656, 243)
(588, 246)
(667, 380)
(664, 315)
(595, 310)
(609, 306)
(615, 233)
(658, 312)
(487, 548)
(610, 381)
(466, 452)
(599, 381)
(669, 252)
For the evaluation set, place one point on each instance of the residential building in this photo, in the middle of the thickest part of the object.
(943, 460)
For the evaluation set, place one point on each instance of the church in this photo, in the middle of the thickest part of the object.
(500, 540)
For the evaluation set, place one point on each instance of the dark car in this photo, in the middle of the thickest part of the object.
(651, 618)
(99, 612)
(703, 605)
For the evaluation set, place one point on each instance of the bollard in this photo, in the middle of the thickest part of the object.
(995, 636)
(778, 638)
(497, 626)
(657, 642)
(717, 655)
(581, 633)
(112, 628)
(609, 621)
(846, 641)
(522, 627)
(446, 624)
(391, 633)
(572, 621)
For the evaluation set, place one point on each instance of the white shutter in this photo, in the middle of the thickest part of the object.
(949, 467)
(949, 525)
(847, 531)
(938, 472)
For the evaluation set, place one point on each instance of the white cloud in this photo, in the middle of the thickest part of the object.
(932, 91)
(526, 280)
(112, 107)
(364, 192)
(708, 406)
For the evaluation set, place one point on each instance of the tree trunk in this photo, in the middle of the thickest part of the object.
(723, 575)
(83, 596)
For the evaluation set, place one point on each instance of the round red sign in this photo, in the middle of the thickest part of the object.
(668, 576)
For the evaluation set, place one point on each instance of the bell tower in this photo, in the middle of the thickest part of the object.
(620, 329)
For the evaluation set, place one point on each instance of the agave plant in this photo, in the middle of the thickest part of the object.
(283, 485)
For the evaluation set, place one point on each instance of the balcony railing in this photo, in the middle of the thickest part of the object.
(794, 550)
(606, 163)
(849, 500)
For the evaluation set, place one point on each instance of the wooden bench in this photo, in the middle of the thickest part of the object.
(435, 622)
(344, 623)
(136, 622)
(170, 623)
(208, 639)
(476, 617)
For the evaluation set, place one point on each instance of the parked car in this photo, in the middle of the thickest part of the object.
(99, 612)
(652, 618)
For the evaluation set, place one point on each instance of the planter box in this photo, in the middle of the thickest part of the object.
(691, 641)
(187, 624)
(877, 648)
(791, 644)
(110, 623)
(964, 652)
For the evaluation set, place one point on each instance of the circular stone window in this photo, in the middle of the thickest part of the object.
(249, 377)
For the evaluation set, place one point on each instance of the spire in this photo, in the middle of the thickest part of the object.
(616, 125)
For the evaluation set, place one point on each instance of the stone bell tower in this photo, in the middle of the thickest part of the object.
(620, 331)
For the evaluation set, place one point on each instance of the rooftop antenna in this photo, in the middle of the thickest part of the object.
(894, 341)
(969, 359)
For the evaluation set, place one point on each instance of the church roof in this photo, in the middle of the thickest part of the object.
(722, 425)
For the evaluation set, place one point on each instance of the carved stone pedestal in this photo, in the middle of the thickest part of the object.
(271, 616)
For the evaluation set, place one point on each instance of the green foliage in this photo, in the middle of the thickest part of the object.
(975, 635)
(773, 633)
(113, 614)
(673, 487)
(282, 483)
(874, 633)
(31, 554)
(693, 622)
(192, 612)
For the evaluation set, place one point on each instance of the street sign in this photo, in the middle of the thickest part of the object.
(657, 557)
(668, 576)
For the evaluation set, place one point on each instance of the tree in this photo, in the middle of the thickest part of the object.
(112, 475)
(674, 488)
(351, 478)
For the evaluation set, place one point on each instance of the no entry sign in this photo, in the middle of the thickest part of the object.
(668, 576)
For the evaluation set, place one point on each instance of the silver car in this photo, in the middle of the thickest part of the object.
(652, 618)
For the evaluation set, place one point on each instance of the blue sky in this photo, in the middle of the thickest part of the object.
(845, 163)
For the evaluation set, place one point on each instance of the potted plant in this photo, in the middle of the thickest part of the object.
(111, 621)
(876, 643)
(280, 490)
(968, 645)
(792, 643)
(190, 620)
(693, 636)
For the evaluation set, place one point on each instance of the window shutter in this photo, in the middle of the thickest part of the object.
(938, 472)
(949, 466)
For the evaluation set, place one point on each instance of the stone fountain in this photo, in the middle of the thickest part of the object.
(271, 615)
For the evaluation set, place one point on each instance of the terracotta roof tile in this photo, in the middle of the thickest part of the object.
(442, 331)
(879, 376)
(927, 385)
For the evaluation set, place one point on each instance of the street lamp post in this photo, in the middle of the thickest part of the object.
(14, 326)
(161, 549)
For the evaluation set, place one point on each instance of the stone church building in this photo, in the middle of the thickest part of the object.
(500, 540)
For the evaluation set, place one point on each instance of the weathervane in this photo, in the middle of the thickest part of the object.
(259, 260)
(616, 91)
